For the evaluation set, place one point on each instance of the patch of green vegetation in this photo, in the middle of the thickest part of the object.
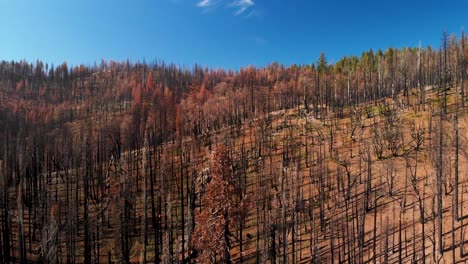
(436, 100)
(372, 110)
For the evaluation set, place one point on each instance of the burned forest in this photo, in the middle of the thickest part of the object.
(364, 160)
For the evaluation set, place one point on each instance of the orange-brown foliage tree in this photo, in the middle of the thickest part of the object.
(221, 210)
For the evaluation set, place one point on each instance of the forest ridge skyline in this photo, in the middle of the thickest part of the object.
(227, 34)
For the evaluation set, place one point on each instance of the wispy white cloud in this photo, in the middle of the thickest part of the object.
(239, 5)
(205, 3)
(242, 5)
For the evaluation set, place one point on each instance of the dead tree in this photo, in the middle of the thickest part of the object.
(439, 186)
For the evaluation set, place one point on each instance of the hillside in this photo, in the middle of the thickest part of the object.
(285, 168)
(361, 161)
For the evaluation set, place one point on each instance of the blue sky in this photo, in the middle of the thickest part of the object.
(218, 33)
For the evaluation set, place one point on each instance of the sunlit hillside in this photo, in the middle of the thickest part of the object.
(360, 161)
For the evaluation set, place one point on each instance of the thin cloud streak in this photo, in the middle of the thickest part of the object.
(204, 3)
(240, 5)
